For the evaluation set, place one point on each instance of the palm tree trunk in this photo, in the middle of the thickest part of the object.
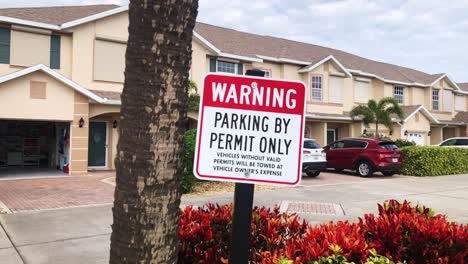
(376, 129)
(153, 119)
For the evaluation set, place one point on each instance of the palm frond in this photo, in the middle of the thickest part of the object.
(365, 112)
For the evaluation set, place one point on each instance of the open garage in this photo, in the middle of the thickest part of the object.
(33, 147)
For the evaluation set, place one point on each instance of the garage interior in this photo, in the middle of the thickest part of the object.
(34, 148)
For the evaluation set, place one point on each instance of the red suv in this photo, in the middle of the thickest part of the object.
(365, 155)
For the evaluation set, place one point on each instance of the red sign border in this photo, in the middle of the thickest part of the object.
(246, 180)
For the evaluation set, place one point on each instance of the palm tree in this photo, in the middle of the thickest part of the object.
(378, 112)
(153, 121)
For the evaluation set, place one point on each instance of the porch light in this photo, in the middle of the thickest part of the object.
(114, 124)
(364, 131)
(406, 132)
(391, 132)
(81, 123)
(429, 133)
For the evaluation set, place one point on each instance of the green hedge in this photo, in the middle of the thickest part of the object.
(189, 152)
(434, 161)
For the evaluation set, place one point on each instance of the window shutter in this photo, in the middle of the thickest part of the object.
(361, 92)
(460, 103)
(5, 40)
(212, 65)
(55, 52)
(335, 89)
(240, 69)
(448, 101)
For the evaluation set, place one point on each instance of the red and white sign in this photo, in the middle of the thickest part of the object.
(250, 130)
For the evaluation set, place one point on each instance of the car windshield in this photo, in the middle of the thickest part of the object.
(388, 145)
(310, 144)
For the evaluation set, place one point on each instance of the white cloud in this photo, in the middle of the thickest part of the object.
(427, 35)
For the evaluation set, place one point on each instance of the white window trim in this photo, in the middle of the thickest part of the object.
(402, 93)
(438, 99)
(236, 67)
(311, 76)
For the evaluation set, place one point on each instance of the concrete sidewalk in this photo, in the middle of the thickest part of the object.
(81, 235)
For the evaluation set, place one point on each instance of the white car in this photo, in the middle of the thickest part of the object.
(314, 159)
(460, 142)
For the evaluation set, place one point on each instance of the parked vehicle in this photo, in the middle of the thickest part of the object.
(313, 158)
(459, 142)
(364, 155)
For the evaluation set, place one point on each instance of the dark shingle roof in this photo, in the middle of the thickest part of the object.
(55, 15)
(463, 86)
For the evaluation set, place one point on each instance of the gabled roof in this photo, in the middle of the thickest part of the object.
(55, 15)
(314, 65)
(410, 110)
(59, 77)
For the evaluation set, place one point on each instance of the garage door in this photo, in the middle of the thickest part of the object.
(418, 138)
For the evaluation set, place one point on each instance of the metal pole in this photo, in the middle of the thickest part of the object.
(242, 217)
(240, 241)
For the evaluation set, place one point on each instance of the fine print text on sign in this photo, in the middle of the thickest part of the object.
(250, 130)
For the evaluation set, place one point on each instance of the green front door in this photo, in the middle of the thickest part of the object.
(97, 147)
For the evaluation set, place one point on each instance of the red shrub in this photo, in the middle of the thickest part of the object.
(400, 232)
(403, 232)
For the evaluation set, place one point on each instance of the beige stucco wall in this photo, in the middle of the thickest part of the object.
(66, 52)
(200, 64)
(15, 101)
(422, 126)
(83, 59)
(114, 26)
(99, 109)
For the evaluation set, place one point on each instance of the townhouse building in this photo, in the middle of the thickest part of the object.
(61, 76)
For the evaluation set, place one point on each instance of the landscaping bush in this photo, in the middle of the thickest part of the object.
(404, 143)
(433, 161)
(400, 232)
(189, 152)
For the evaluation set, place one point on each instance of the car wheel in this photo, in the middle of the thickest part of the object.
(388, 173)
(313, 174)
(364, 169)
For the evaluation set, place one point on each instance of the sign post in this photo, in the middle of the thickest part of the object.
(250, 131)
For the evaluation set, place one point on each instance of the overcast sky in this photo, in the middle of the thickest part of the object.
(428, 35)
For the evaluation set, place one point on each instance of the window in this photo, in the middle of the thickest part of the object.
(316, 83)
(55, 51)
(450, 142)
(224, 66)
(462, 142)
(459, 103)
(337, 145)
(310, 144)
(361, 91)
(354, 144)
(267, 73)
(447, 103)
(398, 94)
(5, 40)
(335, 89)
(435, 99)
(388, 145)
(109, 61)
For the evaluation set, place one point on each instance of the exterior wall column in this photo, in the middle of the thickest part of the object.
(436, 135)
(318, 131)
(79, 136)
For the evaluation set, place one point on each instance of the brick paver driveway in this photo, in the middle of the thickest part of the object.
(56, 192)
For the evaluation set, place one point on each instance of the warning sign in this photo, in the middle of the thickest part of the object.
(250, 130)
